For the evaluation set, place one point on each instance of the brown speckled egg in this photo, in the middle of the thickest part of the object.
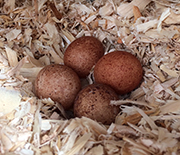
(120, 70)
(58, 82)
(94, 102)
(82, 54)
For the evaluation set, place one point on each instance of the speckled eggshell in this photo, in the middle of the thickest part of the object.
(82, 54)
(120, 70)
(94, 102)
(58, 82)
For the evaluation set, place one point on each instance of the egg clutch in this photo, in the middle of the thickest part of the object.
(115, 73)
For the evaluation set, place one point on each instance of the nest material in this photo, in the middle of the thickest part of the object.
(36, 33)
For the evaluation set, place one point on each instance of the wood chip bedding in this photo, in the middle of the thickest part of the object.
(36, 33)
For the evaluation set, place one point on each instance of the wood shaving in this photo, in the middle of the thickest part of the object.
(36, 33)
(136, 13)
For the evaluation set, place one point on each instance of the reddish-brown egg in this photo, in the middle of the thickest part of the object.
(94, 102)
(120, 70)
(58, 82)
(82, 54)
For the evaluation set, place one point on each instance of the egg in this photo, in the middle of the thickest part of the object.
(58, 82)
(120, 70)
(82, 54)
(93, 102)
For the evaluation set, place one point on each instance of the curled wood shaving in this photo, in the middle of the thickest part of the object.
(12, 57)
(126, 9)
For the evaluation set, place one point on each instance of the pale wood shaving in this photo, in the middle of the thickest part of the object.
(8, 97)
(164, 15)
(11, 56)
(126, 9)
